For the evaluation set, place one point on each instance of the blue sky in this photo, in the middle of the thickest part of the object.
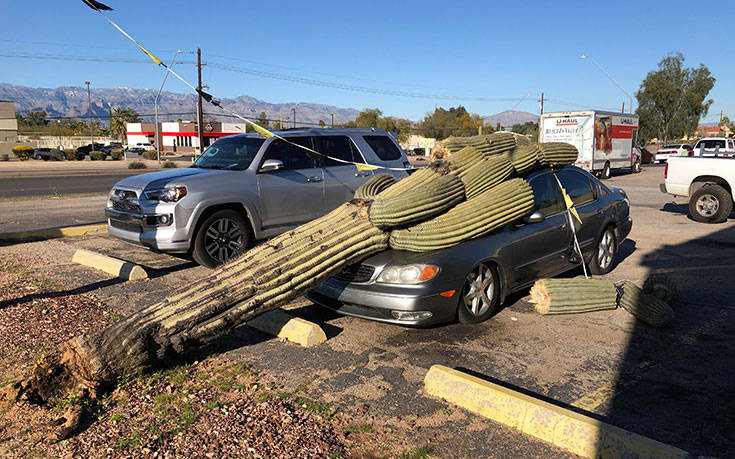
(472, 50)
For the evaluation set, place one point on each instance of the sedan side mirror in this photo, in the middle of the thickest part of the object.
(270, 165)
(536, 217)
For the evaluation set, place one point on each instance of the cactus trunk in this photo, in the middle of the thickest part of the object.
(474, 218)
(558, 153)
(485, 175)
(373, 186)
(567, 296)
(422, 203)
(643, 306)
(524, 158)
(262, 279)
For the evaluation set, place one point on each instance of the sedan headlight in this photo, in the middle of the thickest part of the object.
(408, 274)
(169, 194)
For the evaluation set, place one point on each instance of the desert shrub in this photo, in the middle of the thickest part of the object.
(117, 154)
(70, 153)
(137, 165)
(97, 155)
(22, 152)
(5, 157)
(169, 165)
(57, 155)
(150, 154)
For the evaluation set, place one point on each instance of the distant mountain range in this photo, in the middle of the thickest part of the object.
(510, 117)
(72, 101)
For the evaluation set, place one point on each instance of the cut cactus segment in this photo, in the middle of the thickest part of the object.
(569, 296)
(643, 306)
(373, 186)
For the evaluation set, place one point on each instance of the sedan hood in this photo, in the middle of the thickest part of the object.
(160, 179)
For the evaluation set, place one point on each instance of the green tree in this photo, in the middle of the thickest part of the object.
(671, 100)
(263, 120)
(529, 128)
(373, 117)
(120, 118)
(727, 123)
(444, 123)
(276, 125)
(322, 123)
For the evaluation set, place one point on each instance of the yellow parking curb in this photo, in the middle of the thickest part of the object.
(559, 426)
(119, 268)
(68, 231)
(285, 326)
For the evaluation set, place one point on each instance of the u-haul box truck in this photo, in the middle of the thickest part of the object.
(604, 139)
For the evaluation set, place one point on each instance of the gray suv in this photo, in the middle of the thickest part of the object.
(244, 188)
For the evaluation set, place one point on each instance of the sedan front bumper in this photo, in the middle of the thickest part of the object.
(372, 304)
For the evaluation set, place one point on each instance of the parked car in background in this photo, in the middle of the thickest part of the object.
(136, 150)
(715, 146)
(244, 188)
(112, 146)
(469, 282)
(41, 153)
(668, 151)
(646, 156)
(145, 146)
(707, 182)
(85, 149)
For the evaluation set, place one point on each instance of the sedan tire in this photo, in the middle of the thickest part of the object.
(603, 259)
(479, 296)
(221, 237)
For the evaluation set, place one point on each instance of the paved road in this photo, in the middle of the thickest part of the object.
(59, 184)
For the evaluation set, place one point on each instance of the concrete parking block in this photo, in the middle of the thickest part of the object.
(110, 265)
(559, 426)
(283, 325)
(69, 231)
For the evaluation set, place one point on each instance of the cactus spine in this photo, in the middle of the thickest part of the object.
(567, 296)
(421, 203)
(373, 186)
(404, 186)
(524, 158)
(558, 153)
(468, 220)
(464, 159)
(643, 306)
(485, 175)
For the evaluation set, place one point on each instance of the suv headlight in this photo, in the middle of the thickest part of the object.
(168, 194)
(408, 274)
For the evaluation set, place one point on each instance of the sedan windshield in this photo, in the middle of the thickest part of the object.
(232, 153)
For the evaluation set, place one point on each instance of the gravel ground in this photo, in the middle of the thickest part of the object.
(213, 408)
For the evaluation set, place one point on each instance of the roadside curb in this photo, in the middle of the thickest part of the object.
(285, 326)
(52, 233)
(559, 426)
(119, 268)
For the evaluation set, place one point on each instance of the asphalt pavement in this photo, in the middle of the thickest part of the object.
(59, 184)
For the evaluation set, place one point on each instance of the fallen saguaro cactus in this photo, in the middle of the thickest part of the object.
(643, 306)
(563, 296)
(558, 153)
(449, 202)
(373, 186)
(662, 287)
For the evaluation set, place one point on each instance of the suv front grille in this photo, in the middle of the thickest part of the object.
(356, 273)
(125, 205)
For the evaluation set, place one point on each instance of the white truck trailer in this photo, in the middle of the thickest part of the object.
(604, 139)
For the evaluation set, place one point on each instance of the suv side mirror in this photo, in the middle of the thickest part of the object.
(270, 165)
(536, 217)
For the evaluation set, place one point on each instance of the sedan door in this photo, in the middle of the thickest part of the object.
(340, 179)
(542, 249)
(583, 193)
(294, 194)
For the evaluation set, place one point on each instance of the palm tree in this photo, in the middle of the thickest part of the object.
(121, 116)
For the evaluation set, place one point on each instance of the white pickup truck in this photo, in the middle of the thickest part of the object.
(708, 182)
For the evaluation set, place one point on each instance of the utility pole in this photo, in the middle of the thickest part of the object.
(720, 118)
(294, 117)
(541, 106)
(89, 108)
(200, 113)
(333, 119)
(623, 109)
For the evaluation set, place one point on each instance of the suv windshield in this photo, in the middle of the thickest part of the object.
(234, 153)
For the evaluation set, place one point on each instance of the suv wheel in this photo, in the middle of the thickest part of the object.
(710, 204)
(604, 257)
(222, 236)
(480, 295)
